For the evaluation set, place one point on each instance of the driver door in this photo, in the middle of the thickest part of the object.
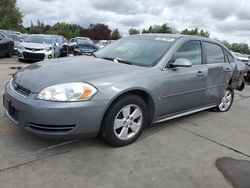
(183, 88)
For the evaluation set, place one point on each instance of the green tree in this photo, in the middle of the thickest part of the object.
(10, 16)
(240, 47)
(227, 44)
(115, 35)
(36, 29)
(97, 31)
(133, 31)
(62, 28)
(165, 28)
(196, 31)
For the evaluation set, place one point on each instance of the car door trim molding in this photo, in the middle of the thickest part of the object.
(174, 116)
(193, 91)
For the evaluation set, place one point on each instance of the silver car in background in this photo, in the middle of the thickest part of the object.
(38, 48)
(116, 93)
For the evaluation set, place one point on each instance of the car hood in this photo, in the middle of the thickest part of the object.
(35, 45)
(71, 69)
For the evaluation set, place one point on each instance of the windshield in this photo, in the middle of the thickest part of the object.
(14, 37)
(141, 50)
(39, 39)
(84, 41)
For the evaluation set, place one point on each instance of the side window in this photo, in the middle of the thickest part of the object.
(214, 53)
(191, 51)
(229, 57)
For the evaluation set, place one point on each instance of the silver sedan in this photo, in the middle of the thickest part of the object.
(133, 82)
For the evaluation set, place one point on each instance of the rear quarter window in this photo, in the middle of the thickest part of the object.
(214, 53)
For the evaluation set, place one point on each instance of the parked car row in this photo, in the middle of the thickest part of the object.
(37, 47)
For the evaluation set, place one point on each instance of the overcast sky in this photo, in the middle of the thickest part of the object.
(224, 19)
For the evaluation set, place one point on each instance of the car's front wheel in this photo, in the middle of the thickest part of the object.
(9, 52)
(226, 101)
(124, 121)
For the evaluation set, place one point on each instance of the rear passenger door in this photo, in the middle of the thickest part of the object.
(219, 72)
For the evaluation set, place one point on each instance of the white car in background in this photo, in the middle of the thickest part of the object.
(38, 48)
(242, 57)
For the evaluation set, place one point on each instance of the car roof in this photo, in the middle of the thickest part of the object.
(42, 35)
(180, 36)
(177, 36)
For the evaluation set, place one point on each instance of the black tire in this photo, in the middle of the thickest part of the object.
(218, 109)
(9, 52)
(21, 60)
(107, 130)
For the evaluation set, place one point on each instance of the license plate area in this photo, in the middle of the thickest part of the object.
(7, 105)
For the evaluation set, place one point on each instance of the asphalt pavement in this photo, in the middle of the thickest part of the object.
(180, 153)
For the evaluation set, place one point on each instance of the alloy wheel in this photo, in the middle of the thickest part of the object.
(226, 101)
(128, 122)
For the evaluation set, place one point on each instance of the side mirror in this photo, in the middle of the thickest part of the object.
(57, 44)
(182, 62)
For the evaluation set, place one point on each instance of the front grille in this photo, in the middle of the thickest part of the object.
(19, 89)
(32, 49)
(51, 128)
(33, 56)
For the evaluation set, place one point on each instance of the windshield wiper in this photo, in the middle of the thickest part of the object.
(118, 60)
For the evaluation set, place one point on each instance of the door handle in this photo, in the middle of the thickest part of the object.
(200, 73)
(228, 70)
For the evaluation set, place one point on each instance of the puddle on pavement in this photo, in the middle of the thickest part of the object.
(237, 172)
(16, 67)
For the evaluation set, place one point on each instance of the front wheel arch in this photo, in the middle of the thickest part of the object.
(146, 97)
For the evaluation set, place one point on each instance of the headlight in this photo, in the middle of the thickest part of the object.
(48, 49)
(77, 50)
(76, 91)
(20, 47)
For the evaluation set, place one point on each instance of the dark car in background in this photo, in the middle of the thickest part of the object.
(82, 45)
(247, 76)
(16, 38)
(6, 46)
(62, 44)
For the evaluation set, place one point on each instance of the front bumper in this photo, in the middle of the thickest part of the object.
(60, 120)
(35, 55)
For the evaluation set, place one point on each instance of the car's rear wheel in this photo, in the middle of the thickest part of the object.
(226, 101)
(124, 121)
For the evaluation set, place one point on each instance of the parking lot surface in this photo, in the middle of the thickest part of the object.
(178, 153)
